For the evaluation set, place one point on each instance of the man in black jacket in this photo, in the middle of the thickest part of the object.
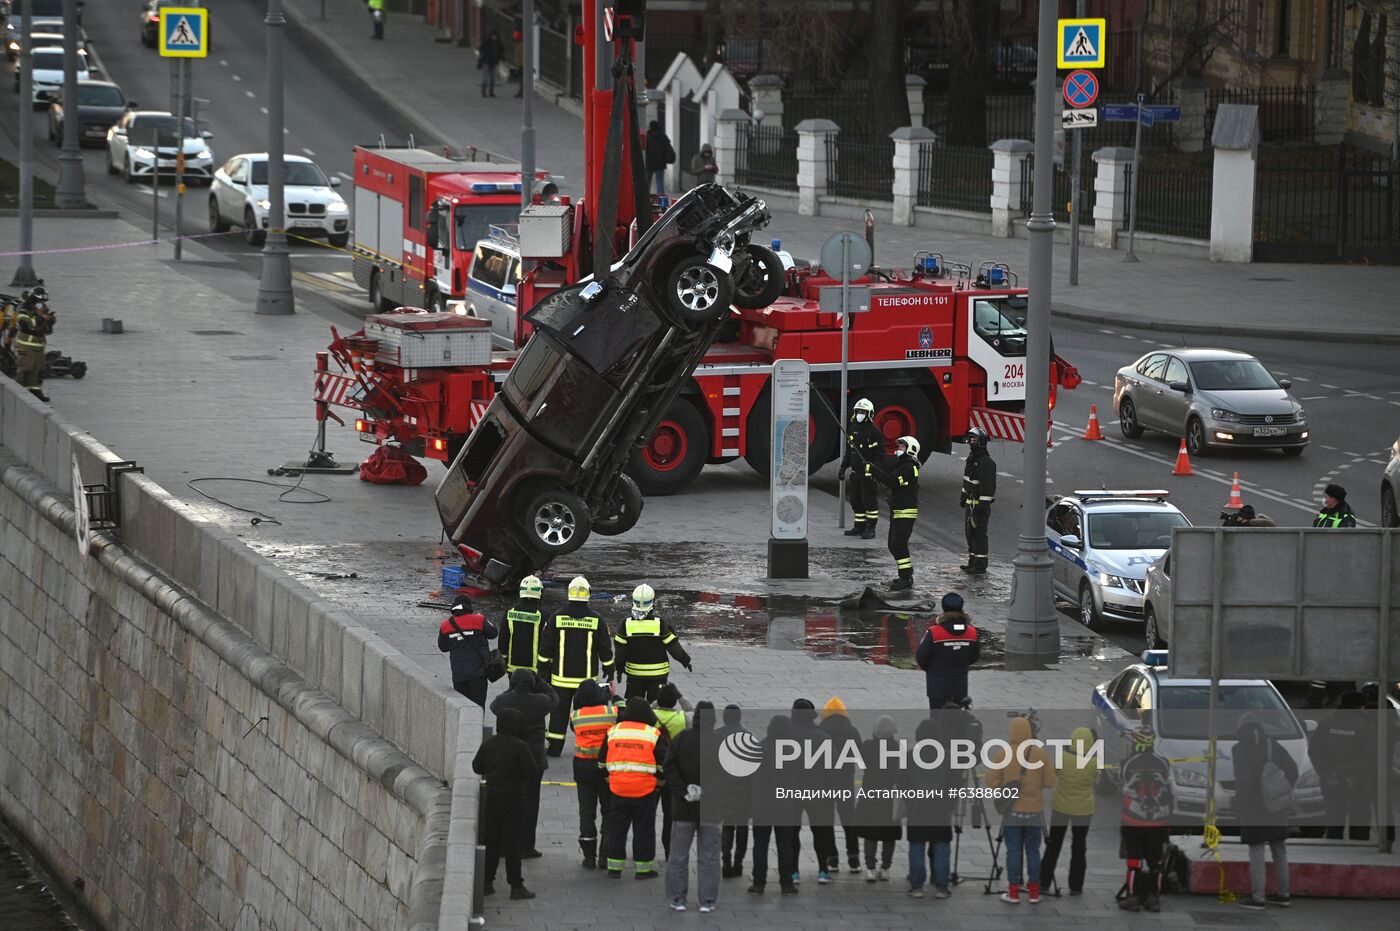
(466, 639)
(902, 479)
(520, 634)
(574, 645)
(659, 154)
(979, 490)
(945, 653)
(737, 801)
(533, 697)
(642, 644)
(692, 756)
(505, 764)
(820, 811)
(864, 443)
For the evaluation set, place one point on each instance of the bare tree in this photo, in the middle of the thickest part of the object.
(973, 29)
(887, 105)
(1186, 35)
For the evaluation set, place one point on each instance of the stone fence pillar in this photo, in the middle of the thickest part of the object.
(1330, 107)
(1235, 139)
(812, 167)
(1008, 183)
(909, 142)
(731, 150)
(1110, 194)
(914, 90)
(767, 91)
(1190, 133)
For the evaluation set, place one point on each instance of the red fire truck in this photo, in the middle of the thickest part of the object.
(941, 349)
(418, 216)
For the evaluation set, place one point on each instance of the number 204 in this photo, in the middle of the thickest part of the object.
(1015, 370)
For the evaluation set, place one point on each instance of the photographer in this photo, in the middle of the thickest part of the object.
(1246, 517)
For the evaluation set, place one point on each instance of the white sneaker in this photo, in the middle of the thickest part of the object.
(1008, 897)
(883, 875)
(870, 876)
(706, 909)
(677, 906)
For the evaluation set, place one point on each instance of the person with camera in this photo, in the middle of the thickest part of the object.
(466, 639)
(1246, 517)
(33, 323)
(948, 649)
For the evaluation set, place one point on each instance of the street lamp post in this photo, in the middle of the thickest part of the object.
(527, 101)
(1032, 632)
(70, 195)
(275, 288)
(24, 275)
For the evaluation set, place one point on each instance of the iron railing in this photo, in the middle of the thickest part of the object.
(1060, 195)
(554, 58)
(955, 179)
(1326, 203)
(1173, 197)
(1004, 116)
(861, 168)
(767, 157)
(1285, 113)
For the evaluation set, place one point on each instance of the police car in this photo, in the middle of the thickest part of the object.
(1179, 714)
(492, 281)
(1101, 543)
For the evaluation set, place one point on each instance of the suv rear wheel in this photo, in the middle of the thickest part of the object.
(696, 292)
(558, 522)
(627, 508)
(759, 281)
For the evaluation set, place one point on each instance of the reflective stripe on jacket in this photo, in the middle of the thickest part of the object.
(631, 759)
(520, 641)
(591, 725)
(642, 647)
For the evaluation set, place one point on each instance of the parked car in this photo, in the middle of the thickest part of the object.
(491, 285)
(1101, 543)
(1213, 397)
(36, 40)
(1157, 603)
(1390, 489)
(1179, 716)
(48, 74)
(606, 359)
(101, 104)
(143, 143)
(238, 197)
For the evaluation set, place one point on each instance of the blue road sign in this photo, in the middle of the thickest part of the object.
(1081, 88)
(184, 32)
(1165, 114)
(1081, 43)
(1119, 112)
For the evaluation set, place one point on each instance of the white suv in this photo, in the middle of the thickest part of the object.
(238, 197)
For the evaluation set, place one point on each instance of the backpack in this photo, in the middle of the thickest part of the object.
(1176, 870)
(1275, 788)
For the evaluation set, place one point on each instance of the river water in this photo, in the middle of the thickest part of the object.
(25, 901)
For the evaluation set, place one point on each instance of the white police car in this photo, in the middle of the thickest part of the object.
(1101, 543)
(492, 281)
(1178, 711)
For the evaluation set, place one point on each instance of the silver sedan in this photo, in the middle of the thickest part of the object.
(1213, 398)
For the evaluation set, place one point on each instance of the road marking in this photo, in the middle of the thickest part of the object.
(263, 109)
(1108, 331)
(1300, 378)
(308, 151)
(1352, 455)
(1329, 448)
(250, 94)
(1333, 387)
(235, 77)
(224, 62)
(343, 175)
(1316, 397)
(1093, 383)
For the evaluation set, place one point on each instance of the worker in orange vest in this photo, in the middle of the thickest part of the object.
(591, 720)
(633, 753)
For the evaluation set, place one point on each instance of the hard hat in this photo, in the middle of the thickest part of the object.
(977, 437)
(864, 405)
(911, 444)
(643, 597)
(40, 294)
(578, 589)
(531, 587)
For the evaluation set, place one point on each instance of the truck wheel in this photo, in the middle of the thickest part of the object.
(376, 295)
(627, 508)
(674, 454)
(78, 370)
(760, 281)
(906, 412)
(437, 303)
(822, 438)
(557, 522)
(697, 293)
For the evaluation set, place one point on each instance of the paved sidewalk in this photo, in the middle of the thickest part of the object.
(1315, 302)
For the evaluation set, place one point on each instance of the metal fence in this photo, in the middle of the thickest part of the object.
(1060, 196)
(1173, 197)
(554, 58)
(1003, 116)
(1326, 204)
(955, 179)
(1285, 113)
(767, 157)
(860, 167)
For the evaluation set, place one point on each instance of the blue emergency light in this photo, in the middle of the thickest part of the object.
(1155, 658)
(996, 276)
(777, 245)
(495, 187)
(930, 265)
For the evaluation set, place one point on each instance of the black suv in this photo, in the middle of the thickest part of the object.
(543, 468)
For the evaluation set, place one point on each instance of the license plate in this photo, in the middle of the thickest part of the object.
(1269, 431)
(299, 223)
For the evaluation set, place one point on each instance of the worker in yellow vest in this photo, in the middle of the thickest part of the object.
(591, 720)
(520, 634)
(632, 754)
(575, 644)
(642, 645)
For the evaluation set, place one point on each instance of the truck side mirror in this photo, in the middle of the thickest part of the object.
(431, 233)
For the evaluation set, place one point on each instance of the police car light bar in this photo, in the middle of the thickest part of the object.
(1155, 658)
(1103, 493)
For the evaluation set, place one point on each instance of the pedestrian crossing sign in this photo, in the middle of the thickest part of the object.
(1081, 43)
(184, 32)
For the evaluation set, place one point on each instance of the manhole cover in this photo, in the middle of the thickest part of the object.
(253, 358)
(1271, 279)
(216, 333)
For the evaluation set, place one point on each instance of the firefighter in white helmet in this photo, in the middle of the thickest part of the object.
(643, 642)
(574, 645)
(520, 634)
(979, 489)
(863, 437)
(901, 477)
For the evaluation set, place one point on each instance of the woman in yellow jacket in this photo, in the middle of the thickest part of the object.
(1022, 820)
(1072, 808)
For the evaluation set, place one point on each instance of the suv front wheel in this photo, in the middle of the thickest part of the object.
(696, 292)
(558, 522)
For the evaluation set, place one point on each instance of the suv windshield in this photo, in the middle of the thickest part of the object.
(1233, 375)
(1134, 531)
(1183, 711)
(299, 174)
(99, 95)
(473, 224)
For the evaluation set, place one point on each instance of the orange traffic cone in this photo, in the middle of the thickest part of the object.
(1091, 432)
(1235, 502)
(1183, 462)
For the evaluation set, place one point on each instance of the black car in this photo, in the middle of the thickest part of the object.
(544, 467)
(100, 105)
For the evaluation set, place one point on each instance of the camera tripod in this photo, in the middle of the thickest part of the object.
(975, 811)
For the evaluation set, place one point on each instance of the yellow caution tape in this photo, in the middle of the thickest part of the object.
(553, 782)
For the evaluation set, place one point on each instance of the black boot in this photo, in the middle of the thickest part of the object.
(589, 846)
(868, 533)
(902, 584)
(857, 529)
(39, 393)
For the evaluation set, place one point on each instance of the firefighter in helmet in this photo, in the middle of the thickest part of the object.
(863, 437)
(901, 477)
(642, 644)
(33, 324)
(574, 645)
(979, 489)
(520, 634)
